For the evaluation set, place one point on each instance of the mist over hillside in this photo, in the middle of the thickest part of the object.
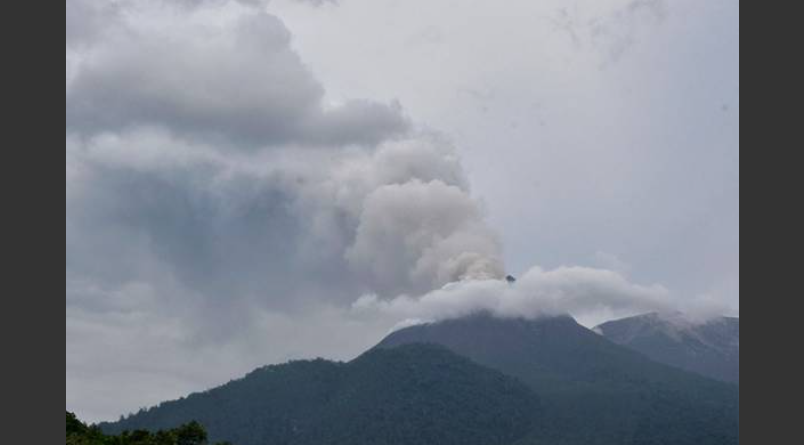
(710, 348)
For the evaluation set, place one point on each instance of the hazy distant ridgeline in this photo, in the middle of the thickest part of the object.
(711, 349)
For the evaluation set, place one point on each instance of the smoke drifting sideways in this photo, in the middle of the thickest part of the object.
(590, 295)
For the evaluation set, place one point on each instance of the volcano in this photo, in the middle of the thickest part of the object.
(476, 380)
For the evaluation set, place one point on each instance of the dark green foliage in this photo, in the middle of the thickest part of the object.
(191, 433)
(458, 383)
(593, 391)
(418, 394)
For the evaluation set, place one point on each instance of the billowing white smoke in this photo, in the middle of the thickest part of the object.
(412, 225)
(583, 292)
(427, 233)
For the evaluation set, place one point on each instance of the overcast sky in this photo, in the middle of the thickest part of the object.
(251, 181)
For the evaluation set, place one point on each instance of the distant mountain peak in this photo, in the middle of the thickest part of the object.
(591, 387)
(708, 347)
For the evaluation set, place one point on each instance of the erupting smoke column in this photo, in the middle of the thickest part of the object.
(427, 234)
(415, 225)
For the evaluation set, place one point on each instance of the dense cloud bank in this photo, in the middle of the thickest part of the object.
(589, 294)
(207, 147)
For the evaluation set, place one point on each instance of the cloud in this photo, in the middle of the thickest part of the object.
(611, 261)
(86, 18)
(213, 196)
(610, 28)
(238, 83)
(582, 292)
(319, 3)
(415, 235)
(278, 228)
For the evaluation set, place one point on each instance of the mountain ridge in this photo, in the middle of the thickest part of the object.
(597, 391)
(478, 380)
(421, 394)
(710, 348)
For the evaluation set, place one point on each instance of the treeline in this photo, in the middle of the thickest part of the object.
(415, 394)
(79, 433)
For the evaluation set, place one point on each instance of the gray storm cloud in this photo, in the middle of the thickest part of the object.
(328, 199)
(238, 83)
(215, 200)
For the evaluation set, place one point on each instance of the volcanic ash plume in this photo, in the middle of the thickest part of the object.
(416, 227)
(424, 235)
(202, 150)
